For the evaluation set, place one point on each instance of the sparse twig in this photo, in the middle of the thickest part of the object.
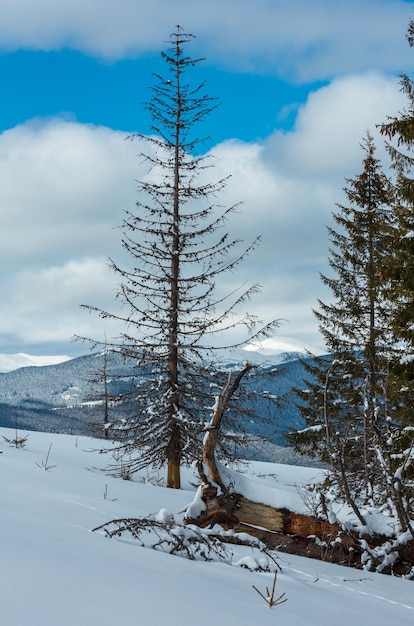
(269, 598)
(44, 464)
(106, 494)
(191, 542)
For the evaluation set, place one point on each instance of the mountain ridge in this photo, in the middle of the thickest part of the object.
(54, 398)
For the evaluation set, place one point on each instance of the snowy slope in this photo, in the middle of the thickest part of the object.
(56, 572)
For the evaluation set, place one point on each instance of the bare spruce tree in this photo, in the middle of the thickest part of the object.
(104, 393)
(171, 301)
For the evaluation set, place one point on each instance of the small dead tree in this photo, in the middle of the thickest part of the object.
(213, 429)
(269, 596)
(17, 442)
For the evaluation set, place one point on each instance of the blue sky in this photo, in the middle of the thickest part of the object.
(79, 87)
(299, 82)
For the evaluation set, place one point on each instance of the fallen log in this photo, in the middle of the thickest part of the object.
(288, 531)
(296, 533)
(232, 510)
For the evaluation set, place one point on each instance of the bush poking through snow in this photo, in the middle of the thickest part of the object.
(17, 442)
(161, 532)
(44, 463)
(269, 598)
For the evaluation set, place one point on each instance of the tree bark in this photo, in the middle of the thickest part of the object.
(173, 474)
(278, 528)
(213, 429)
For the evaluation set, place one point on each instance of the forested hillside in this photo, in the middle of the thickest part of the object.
(59, 398)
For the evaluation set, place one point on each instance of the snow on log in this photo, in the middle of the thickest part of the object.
(247, 505)
(234, 501)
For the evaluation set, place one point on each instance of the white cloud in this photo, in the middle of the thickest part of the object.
(297, 39)
(64, 186)
(329, 127)
(43, 306)
(275, 345)
(290, 183)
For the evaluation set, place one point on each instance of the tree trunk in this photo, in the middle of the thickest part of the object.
(213, 429)
(174, 457)
(173, 474)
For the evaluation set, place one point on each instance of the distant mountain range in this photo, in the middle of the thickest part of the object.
(54, 398)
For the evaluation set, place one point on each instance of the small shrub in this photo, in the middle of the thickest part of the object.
(17, 442)
(269, 598)
(44, 464)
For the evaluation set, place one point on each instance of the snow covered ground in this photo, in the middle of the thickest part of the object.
(56, 572)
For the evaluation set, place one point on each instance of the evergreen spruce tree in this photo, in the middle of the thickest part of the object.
(170, 293)
(400, 132)
(345, 405)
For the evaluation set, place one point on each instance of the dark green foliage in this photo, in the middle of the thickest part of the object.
(347, 406)
(399, 130)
